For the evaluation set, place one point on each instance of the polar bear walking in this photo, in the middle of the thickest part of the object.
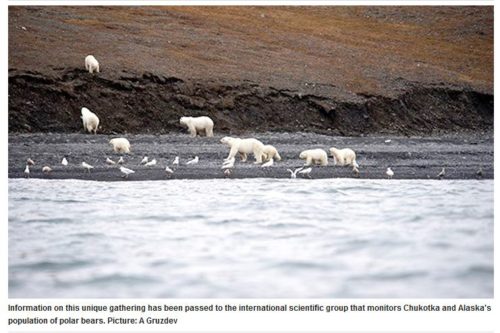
(316, 156)
(90, 120)
(244, 147)
(91, 64)
(197, 124)
(120, 145)
(344, 157)
(270, 152)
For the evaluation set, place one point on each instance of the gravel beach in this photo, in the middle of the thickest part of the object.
(409, 157)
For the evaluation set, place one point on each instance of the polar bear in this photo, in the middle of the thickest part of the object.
(195, 124)
(270, 152)
(120, 145)
(244, 147)
(90, 120)
(317, 156)
(91, 64)
(344, 157)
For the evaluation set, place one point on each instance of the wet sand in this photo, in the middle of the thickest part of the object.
(409, 157)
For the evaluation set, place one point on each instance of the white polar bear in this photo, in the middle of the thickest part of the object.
(317, 156)
(344, 157)
(120, 145)
(244, 147)
(90, 120)
(270, 152)
(195, 124)
(91, 64)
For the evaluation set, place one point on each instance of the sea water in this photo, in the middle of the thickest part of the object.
(251, 238)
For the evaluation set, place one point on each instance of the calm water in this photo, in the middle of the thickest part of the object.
(251, 238)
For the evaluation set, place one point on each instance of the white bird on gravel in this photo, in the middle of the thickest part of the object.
(151, 163)
(293, 174)
(121, 160)
(195, 160)
(389, 173)
(29, 161)
(110, 161)
(87, 166)
(27, 171)
(169, 171)
(441, 174)
(126, 171)
(176, 161)
(46, 169)
(64, 161)
(306, 172)
(144, 160)
(268, 164)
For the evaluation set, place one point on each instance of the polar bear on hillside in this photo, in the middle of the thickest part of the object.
(316, 156)
(90, 120)
(120, 145)
(196, 124)
(91, 64)
(244, 147)
(270, 152)
(344, 157)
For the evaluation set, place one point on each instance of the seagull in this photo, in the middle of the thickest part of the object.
(27, 171)
(46, 169)
(176, 161)
(268, 163)
(151, 163)
(388, 141)
(87, 166)
(306, 172)
(479, 172)
(441, 174)
(169, 171)
(126, 171)
(293, 174)
(144, 160)
(121, 160)
(389, 173)
(193, 161)
(29, 161)
(64, 161)
(110, 161)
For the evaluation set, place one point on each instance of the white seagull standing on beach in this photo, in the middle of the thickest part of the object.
(126, 171)
(144, 160)
(151, 163)
(176, 161)
(195, 160)
(306, 172)
(110, 161)
(27, 171)
(64, 161)
(441, 174)
(293, 174)
(169, 171)
(121, 160)
(46, 169)
(389, 173)
(268, 163)
(87, 166)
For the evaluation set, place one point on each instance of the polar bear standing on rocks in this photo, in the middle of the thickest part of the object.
(90, 120)
(196, 124)
(120, 145)
(344, 157)
(270, 152)
(316, 156)
(244, 147)
(91, 64)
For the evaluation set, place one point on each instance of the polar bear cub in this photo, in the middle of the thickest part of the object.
(316, 156)
(90, 120)
(91, 64)
(270, 152)
(120, 145)
(244, 147)
(344, 157)
(196, 124)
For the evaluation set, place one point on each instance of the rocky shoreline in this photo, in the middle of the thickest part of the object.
(410, 157)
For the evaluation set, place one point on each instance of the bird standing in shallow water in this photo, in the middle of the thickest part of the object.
(389, 173)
